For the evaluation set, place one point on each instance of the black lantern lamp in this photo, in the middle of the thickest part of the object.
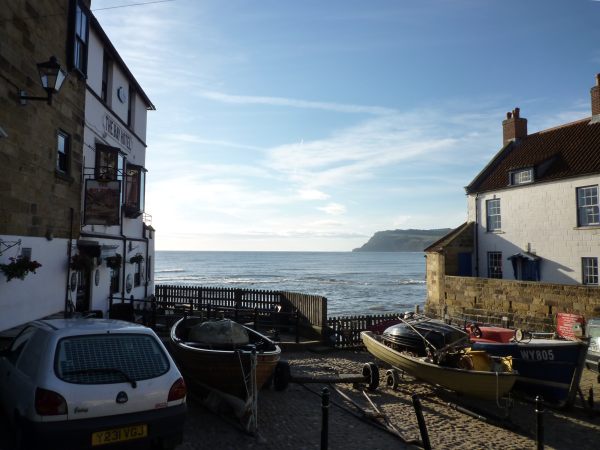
(52, 76)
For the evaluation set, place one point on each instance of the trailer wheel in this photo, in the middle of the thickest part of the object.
(392, 379)
(371, 372)
(282, 375)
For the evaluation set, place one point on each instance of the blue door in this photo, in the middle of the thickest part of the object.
(464, 265)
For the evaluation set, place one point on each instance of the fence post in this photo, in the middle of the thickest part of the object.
(297, 327)
(237, 296)
(153, 305)
(325, 418)
(208, 308)
(539, 416)
(421, 421)
(256, 318)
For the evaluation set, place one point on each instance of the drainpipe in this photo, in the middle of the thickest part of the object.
(124, 264)
(477, 235)
(146, 240)
(68, 285)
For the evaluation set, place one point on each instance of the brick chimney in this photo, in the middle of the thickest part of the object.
(513, 127)
(595, 92)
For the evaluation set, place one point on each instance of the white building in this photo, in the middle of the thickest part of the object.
(72, 189)
(115, 226)
(536, 204)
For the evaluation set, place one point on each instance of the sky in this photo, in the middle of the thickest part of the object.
(310, 125)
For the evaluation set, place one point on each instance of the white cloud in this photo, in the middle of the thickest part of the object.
(333, 209)
(312, 194)
(294, 103)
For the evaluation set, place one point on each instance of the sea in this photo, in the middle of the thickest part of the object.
(354, 283)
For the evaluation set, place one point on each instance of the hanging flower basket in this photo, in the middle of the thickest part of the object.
(81, 262)
(19, 267)
(136, 259)
(114, 262)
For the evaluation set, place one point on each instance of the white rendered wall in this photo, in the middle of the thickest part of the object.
(541, 218)
(39, 294)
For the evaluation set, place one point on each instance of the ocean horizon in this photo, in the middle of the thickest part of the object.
(353, 282)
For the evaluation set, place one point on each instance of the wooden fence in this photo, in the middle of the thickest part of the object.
(312, 309)
(344, 332)
(300, 310)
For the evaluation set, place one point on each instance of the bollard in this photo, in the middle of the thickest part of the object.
(539, 414)
(325, 421)
(421, 421)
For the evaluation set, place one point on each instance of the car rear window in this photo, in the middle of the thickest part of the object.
(109, 358)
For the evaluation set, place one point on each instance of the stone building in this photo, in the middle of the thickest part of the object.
(72, 190)
(41, 156)
(531, 243)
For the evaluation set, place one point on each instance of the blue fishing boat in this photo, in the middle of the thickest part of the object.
(548, 367)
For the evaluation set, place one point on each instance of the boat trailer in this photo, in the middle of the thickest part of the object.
(369, 376)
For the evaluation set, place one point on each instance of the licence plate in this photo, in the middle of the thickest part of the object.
(119, 434)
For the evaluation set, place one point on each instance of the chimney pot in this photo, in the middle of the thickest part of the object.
(595, 94)
(513, 127)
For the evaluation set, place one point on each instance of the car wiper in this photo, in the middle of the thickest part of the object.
(102, 370)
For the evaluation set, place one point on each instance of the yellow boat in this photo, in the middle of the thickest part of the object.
(483, 384)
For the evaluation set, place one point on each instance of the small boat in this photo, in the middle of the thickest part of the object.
(484, 384)
(547, 366)
(217, 355)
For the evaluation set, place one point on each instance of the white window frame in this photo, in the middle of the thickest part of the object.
(522, 176)
(494, 265)
(589, 270)
(588, 211)
(493, 214)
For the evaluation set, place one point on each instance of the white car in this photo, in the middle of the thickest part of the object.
(87, 383)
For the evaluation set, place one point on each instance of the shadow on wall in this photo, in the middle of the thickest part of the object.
(550, 270)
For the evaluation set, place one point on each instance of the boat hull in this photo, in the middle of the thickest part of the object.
(471, 383)
(227, 371)
(546, 367)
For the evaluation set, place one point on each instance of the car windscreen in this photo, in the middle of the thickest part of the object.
(109, 358)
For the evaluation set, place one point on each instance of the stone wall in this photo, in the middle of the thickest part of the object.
(35, 199)
(531, 305)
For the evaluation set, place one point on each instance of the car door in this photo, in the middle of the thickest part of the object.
(13, 385)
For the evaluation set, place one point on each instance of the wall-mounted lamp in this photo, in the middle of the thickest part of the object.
(52, 76)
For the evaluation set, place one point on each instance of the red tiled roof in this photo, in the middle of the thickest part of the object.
(562, 152)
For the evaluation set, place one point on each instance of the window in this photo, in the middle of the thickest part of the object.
(107, 358)
(494, 221)
(134, 190)
(494, 264)
(521, 176)
(589, 270)
(137, 276)
(114, 281)
(80, 24)
(587, 206)
(62, 151)
(109, 163)
(105, 93)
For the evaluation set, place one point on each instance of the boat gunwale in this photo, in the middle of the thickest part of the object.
(422, 360)
(185, 344)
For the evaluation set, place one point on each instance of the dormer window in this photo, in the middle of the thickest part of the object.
(521, 176)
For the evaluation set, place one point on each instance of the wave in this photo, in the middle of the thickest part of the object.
(407, 282)
(170, 271)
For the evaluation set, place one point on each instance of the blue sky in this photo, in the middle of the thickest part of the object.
(310, 125)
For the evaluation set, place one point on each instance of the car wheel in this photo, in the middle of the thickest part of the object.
(18, 434)
(169, 442)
